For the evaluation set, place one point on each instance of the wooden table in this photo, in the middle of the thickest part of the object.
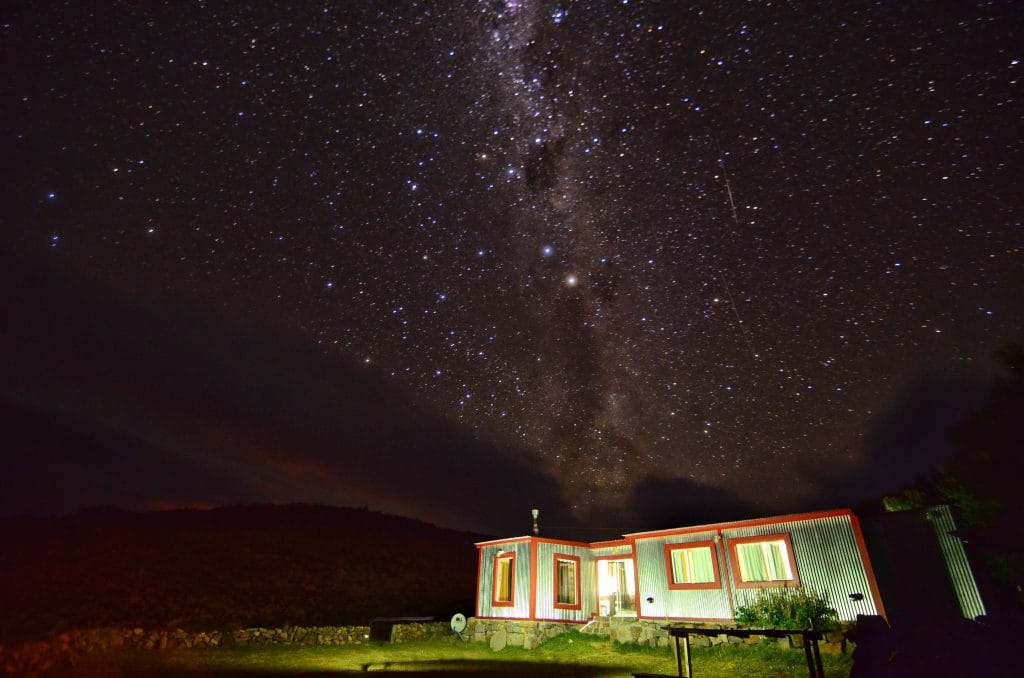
(809, 639)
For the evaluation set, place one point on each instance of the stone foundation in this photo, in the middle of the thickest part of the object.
(516, 633)
(529, 634)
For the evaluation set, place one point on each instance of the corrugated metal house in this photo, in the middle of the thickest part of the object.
(700, 573)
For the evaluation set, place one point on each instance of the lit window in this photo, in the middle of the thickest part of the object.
(567, 582)
(504, 579)
(764, 561)
(692, 566)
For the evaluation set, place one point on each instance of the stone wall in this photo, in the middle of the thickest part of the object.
(409, 631)
(502, 632)
(41, 656)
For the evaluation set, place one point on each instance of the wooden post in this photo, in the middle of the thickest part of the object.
(816, 651)
(807, 656)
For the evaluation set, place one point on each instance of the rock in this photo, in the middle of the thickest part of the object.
(623, 634)
(700, 641)
(499, 640)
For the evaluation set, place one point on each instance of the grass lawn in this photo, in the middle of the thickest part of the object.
(567, 655)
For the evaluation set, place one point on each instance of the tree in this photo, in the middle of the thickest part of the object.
(984, 483)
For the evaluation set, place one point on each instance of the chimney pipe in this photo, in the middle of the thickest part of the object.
(535, 513)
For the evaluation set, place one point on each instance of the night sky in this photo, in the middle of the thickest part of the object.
(629, 261)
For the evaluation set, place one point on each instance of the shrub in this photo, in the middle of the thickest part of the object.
(789, 609)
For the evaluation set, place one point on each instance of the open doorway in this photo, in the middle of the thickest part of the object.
(616, 588)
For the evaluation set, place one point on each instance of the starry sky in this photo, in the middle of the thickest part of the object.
(631, 261)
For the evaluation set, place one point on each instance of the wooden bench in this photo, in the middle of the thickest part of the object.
(809, 638)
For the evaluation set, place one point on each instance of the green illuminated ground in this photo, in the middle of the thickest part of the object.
(570, 655)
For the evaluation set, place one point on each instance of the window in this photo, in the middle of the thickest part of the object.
(504, 579)
(693, 565)
(567, 582)
(763, 561)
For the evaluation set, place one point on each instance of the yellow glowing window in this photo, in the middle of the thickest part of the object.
(504, 578)
(692, 565)
(763, 561)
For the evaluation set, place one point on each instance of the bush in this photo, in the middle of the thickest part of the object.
(789, 609)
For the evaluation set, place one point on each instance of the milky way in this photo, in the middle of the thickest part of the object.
(713, 242)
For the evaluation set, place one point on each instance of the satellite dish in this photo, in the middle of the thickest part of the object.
(459, 623)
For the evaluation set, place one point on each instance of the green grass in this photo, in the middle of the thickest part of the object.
(568, 655)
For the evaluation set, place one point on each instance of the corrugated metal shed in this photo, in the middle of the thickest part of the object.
(966, 588)
(485, 586)
(828, 556)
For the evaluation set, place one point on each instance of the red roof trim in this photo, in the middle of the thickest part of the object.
(507, 540)
(536, 540)
(796, 517)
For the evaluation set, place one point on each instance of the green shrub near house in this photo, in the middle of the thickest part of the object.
(788, 608)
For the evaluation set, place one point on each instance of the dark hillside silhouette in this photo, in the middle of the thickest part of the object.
(254, 565)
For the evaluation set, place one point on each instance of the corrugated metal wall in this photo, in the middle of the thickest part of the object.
(957, 565)
(692, 604)
(620, 550)
(546, 582)
(521, 609)
(827, 560)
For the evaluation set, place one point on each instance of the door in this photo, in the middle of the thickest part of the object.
(616, 588)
